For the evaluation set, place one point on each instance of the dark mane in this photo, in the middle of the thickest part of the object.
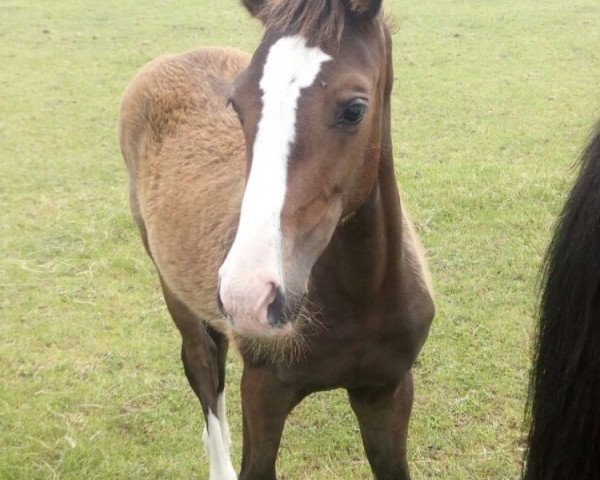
(564, 395)
(318, 21)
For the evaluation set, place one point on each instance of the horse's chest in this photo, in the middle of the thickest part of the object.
(353, 356)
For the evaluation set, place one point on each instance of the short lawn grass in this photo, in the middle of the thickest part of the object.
(493, 102)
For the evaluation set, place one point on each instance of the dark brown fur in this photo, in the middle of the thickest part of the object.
(185, 153)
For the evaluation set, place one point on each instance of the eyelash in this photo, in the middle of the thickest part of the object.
(357, 103)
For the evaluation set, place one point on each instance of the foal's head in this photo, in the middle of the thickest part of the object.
(312, 105)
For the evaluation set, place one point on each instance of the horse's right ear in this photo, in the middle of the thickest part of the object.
(365, 8)
(253, 6)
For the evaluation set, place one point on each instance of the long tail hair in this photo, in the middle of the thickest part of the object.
(564, 394)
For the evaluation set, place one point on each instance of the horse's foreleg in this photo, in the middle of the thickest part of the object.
(196, 356)
(266, 403)
(383, 416)
(204, 353)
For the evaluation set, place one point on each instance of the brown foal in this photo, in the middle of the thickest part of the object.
(264, 191)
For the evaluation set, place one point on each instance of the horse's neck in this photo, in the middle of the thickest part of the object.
(364, 258)
(364, 254)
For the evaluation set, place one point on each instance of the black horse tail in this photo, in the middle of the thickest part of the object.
(564, 393)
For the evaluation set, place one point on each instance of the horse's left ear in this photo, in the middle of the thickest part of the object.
(253, 6)
(365, 8)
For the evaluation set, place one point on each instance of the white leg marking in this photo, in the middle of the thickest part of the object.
(220, 462)
(222, 413)
(290, 66)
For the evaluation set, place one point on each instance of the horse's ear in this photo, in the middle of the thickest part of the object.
(253, 6)
(365, 8)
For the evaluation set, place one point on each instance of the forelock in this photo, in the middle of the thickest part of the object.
(318, 21)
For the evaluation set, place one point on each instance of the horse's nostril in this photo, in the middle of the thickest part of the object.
(275, 310)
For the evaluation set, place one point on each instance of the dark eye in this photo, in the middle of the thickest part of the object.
(353, 112)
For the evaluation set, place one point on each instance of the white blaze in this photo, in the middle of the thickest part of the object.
(290, 66)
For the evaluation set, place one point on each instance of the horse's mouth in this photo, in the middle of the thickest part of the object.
(284, 344)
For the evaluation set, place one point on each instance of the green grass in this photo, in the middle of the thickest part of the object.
(493, 102)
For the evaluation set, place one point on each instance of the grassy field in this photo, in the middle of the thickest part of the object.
(493, 102)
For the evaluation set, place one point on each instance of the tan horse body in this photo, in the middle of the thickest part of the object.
(185, 155)
(331, 290)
